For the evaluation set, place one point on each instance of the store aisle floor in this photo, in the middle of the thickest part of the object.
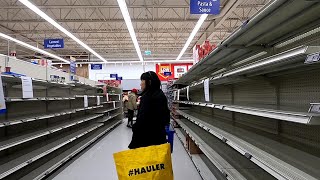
(97, 163)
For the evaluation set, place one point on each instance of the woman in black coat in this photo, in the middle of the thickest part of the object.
(153, 114)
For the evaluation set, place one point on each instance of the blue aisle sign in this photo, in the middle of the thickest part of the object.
(167, 73)
(53, 43)
(113, 75)
(119, 78)
(96, 66)
(73, 67)
(204, 6)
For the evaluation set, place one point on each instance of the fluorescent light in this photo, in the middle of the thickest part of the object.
(270, 60)
(133, 62)
(58, 26)
(297, 38)
(127, 19)
(33, 48)
(193, 33)
(249, 58)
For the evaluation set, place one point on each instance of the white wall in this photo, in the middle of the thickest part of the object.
(128, 71)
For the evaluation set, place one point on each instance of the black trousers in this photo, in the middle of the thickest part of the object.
(130, 117)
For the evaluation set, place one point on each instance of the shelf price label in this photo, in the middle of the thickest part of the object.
(3, 108)
(206, 86)
(188, 93)
(85, 100)
(174, 95)
(27, 88)
(98, 100)
(312, 58)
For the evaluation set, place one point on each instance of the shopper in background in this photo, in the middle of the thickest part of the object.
(125, 103)
(132, 106)
(153, 114)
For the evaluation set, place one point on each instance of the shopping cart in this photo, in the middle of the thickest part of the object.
(170, 135)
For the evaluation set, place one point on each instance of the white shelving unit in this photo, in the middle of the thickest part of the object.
(38, 135)
(263, 103)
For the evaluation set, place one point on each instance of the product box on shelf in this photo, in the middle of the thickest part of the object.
(192, 147)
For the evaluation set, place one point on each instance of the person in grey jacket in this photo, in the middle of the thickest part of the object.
(132, 105)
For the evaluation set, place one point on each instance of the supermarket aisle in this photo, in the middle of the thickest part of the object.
(97, 163)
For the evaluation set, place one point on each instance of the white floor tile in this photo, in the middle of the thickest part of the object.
(97, 163)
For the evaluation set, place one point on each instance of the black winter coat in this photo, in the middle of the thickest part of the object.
(153, 116)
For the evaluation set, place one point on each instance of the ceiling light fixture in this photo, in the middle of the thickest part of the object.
(127, 19)
(58, 26)
(135, 62)
(193, 33)
(33, 47)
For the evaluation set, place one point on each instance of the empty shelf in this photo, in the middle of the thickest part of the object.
(88, 108)
(105, 111)
(202, 168)
(45, 169)
(281, 161)
(109, 117)
(230, 163)
(6, 144)
(38, 82)
(297, 117)
(17, 164)
(35, 118)
(18, 99)
(83, 85)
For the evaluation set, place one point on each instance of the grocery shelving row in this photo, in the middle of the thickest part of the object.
(40, 134)
(262, 102)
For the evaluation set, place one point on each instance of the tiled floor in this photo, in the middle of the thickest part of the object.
(97, 163)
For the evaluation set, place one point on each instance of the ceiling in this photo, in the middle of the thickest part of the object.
(162, 26)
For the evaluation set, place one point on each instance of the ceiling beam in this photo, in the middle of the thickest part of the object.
(137, 30)
(13, 21)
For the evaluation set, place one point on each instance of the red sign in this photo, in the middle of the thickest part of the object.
(177, 70)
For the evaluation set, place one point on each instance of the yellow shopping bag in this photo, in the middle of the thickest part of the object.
(148, 163)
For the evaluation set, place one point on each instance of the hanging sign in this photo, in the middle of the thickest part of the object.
(188, 93)
(204, 6)
(167, 73)
(206, 90)
(113, 75)
(3, 108)
(73, 68)
(27, 88)
(85, 100)
(53, 43)
(98, 101)
(96, 66)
